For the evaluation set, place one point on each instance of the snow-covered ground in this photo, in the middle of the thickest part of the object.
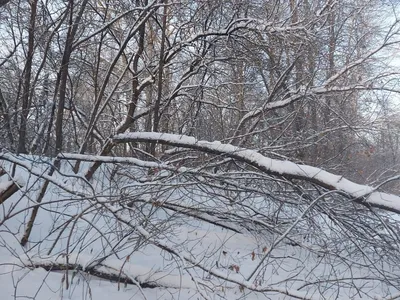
(117, 230)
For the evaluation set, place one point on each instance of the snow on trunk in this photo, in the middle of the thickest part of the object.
(363, 194)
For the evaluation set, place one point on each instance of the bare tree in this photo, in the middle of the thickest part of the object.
(175, 120)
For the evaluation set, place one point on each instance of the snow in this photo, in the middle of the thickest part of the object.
(24, 284)
(188, 259)
(5, 185)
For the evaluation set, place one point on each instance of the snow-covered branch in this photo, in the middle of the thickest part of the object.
(42, 174)
(360, 193)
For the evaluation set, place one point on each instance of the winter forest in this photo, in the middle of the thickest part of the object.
(199, 149)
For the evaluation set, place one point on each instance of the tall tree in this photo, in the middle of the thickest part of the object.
(26, 99)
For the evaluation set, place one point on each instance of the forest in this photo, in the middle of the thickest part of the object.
(199, 149)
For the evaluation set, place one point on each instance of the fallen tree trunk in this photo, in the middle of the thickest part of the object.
(363, 194)
(114, 276)
(7, 189)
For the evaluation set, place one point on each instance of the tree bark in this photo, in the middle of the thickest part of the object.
(27, 80)
(157, 116)
(73, 27)
(10, 190)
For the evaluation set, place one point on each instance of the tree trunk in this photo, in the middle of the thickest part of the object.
(157, 116)
(27, 80)
(73, 27)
